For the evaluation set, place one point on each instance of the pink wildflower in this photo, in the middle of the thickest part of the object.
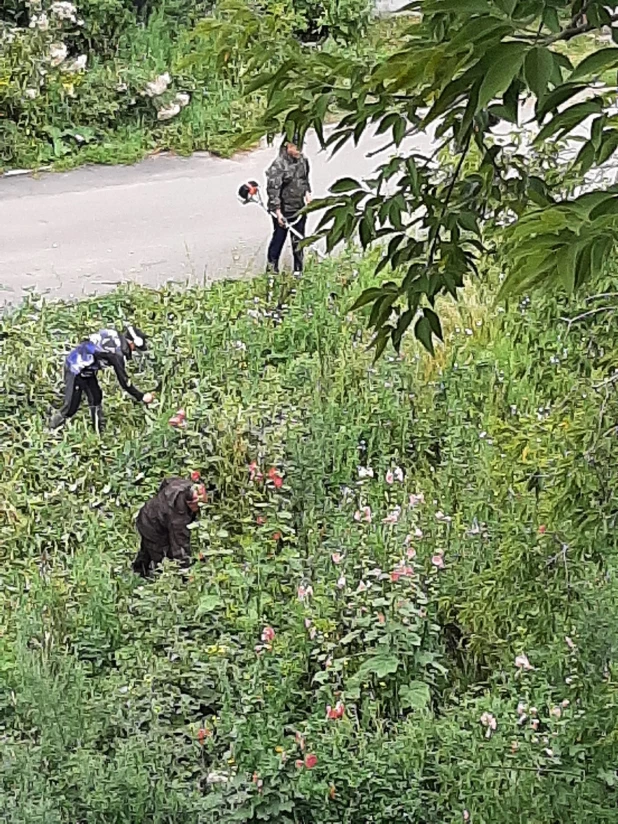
(438, 560)
(268, 635)
(336, 557)
(489, 721)
(336, 712)
(304, 592)
(392, 516)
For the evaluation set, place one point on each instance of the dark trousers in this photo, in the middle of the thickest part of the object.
(280, 233)
(150, 555)
(74, 388)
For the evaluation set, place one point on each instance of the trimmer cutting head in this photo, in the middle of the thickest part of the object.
(249, 191)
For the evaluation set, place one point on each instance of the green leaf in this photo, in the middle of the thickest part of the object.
(366, 230)
(538, 67)
(207, 603)
(399, 130)
(415, 695)
(568, 119)
(468, 221)
(463, 7)
(380, 341)
(422, 331)
(556, 98)
(434, 322)
(596, 63)
(551, 19)
(345, 184)
(566, 258)
(380, 665)
(586, 157)
(609, 144)
(402, 326)
(502, 64)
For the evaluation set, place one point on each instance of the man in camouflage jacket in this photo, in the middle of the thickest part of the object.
(289, 190)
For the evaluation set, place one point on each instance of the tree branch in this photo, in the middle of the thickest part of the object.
(449, 193)
(574, 31)
(584, 315)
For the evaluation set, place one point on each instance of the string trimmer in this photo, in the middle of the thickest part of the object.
(250, 193)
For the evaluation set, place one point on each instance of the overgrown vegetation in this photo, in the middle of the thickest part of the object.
(96, 81)
(418, 624)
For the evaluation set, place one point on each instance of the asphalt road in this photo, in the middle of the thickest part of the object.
(168, 218)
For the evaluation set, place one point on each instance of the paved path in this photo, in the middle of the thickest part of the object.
(167, 218)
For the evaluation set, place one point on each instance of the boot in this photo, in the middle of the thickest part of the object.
(57, 420)
(97, 418)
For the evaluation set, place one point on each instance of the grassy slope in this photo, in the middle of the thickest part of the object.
(107, 682)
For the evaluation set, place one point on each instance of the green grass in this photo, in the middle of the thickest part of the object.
(127, 702)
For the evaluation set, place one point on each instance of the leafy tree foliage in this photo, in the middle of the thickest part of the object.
(467, 67)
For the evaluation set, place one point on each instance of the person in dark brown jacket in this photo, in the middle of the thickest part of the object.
(163, 524)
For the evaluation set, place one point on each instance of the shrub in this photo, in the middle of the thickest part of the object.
(416, 622)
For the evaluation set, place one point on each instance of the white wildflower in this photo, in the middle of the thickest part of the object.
(158, 86)
(77, 65)
(365, 472)
(31, 94)
(218, 777)
(570, 643)
(40, 22)
(167, 112)
(183, 99)
(341, 582)
(64, 11)
(522, 662)
(440, 516)
(555, 712)
(398, 473)
(57, 53)
(521, 708)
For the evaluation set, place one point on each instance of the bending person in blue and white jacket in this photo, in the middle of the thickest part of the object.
(105, 348)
